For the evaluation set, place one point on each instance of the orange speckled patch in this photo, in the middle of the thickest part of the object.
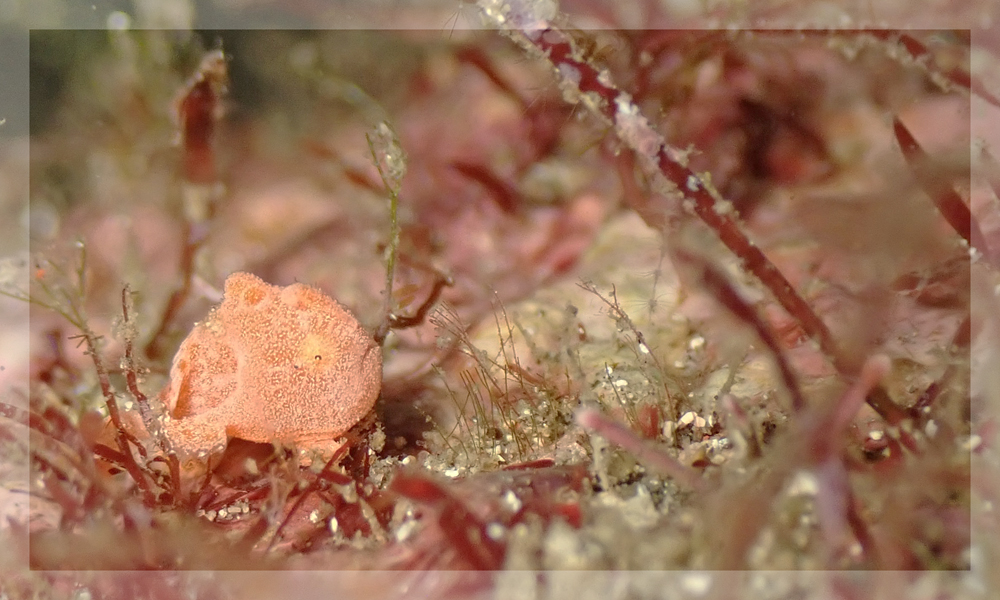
(271, 364)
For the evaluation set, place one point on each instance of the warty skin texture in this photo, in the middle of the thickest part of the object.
(271, 364)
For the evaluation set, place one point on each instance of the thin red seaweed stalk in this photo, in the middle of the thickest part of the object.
(945, 198)
(198, 108)
(727, 295)
(468, 533)
(917, 50)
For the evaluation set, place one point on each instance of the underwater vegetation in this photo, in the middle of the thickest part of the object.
(483, 306)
